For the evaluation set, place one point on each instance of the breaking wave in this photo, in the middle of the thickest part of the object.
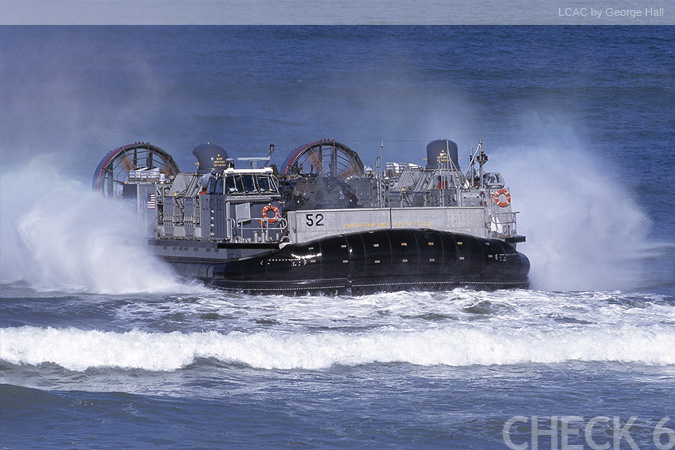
(79, 350)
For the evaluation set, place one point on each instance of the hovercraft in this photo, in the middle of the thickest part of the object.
(322, 221)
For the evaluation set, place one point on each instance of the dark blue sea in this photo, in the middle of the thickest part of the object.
(103, 347)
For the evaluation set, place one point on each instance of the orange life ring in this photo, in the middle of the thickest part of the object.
(267, 209)
(507, 198)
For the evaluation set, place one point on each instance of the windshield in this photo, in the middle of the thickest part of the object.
(249, 183)
(230, 186)
(239, 184)
(244, 183)
(266, 184)
(215, 186)
(493, 178)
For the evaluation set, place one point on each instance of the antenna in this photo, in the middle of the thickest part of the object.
(269, 157)
(379, 177)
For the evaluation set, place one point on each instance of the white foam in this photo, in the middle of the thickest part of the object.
(58, 235)
(504, 309)
(584, 229)
(78, 350)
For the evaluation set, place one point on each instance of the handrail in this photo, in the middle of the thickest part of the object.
(502, 224)
(258, 229)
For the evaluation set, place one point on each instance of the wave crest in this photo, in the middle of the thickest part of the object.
(79, 350)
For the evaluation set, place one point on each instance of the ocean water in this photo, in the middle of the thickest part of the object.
(102, 346)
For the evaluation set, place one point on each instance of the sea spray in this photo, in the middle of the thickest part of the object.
(59, 235)
(584, 230)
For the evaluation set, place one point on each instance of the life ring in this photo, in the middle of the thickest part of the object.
(507, 198)
(266, 210)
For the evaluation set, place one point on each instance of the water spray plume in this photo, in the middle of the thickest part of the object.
(59, 235)
(584, 229)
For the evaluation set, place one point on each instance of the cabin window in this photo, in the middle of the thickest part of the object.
(493, 179)
(249, 183)
(230, 186)
(219, 186)
(211, 188)
(239, 183)
(267, 184)
(264, 184)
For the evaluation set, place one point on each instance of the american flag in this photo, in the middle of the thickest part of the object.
(151, 201)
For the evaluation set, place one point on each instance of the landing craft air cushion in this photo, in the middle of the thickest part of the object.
(323, 222)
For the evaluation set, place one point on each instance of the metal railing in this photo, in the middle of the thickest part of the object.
(502, 224)
(256, 230)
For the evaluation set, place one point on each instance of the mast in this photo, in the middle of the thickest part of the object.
(379, 173)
